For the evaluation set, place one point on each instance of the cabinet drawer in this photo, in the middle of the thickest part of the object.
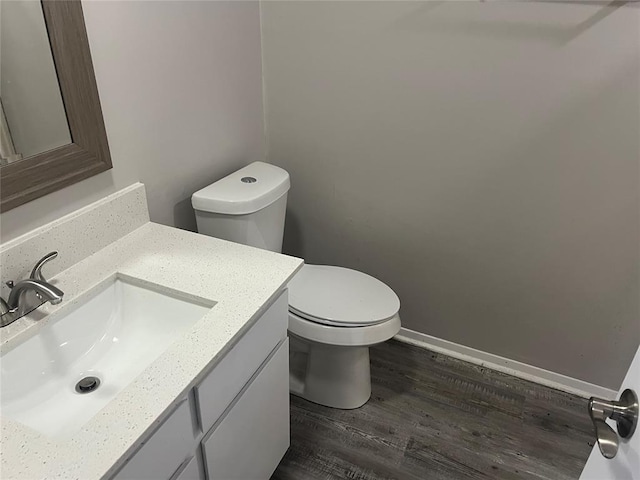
(222, 385)
(166, 449)
(252, 438)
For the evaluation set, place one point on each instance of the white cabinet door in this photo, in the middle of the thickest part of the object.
(251, 439)
(626, 464)
(218, 389)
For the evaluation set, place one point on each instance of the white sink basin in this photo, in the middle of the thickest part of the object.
(114, 335)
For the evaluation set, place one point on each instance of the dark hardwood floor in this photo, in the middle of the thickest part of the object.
(433, 417)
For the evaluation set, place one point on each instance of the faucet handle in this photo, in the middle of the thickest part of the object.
(36, 273)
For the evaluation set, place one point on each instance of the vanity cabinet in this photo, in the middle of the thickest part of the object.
(234, 424)
(255, 431)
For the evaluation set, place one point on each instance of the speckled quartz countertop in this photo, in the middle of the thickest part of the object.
(241, 280)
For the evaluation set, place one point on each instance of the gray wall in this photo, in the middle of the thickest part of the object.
(480, 158)
(181, 91)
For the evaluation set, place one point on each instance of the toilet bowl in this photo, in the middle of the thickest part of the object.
(335, 313)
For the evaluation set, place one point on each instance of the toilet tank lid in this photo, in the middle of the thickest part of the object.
(245, 191)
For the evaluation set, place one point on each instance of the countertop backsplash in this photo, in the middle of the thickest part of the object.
(75, 236)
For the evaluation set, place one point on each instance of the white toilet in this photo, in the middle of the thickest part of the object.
(335, 313)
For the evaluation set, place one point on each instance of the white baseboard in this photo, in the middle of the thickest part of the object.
(505, 365)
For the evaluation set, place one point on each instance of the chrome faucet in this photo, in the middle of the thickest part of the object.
(20, 303)
(43, 289)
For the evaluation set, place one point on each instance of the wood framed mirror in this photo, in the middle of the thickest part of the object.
(88, 153)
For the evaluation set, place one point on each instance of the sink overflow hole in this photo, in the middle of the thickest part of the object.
(87, 384)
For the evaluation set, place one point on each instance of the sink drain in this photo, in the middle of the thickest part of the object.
(87, 384)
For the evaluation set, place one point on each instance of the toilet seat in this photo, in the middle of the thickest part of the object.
(340, 297)
(344, 337)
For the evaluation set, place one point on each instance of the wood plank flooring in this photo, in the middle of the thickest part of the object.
(434, 417)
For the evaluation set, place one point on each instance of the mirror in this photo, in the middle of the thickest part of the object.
(32, 116)
(51, 132)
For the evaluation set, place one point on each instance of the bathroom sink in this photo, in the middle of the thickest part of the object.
(57, 380)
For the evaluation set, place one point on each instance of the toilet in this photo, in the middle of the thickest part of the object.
(335, 313)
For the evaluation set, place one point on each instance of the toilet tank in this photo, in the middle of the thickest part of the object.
(246, 207)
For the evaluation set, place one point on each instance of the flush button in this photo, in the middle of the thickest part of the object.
(248, 180)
